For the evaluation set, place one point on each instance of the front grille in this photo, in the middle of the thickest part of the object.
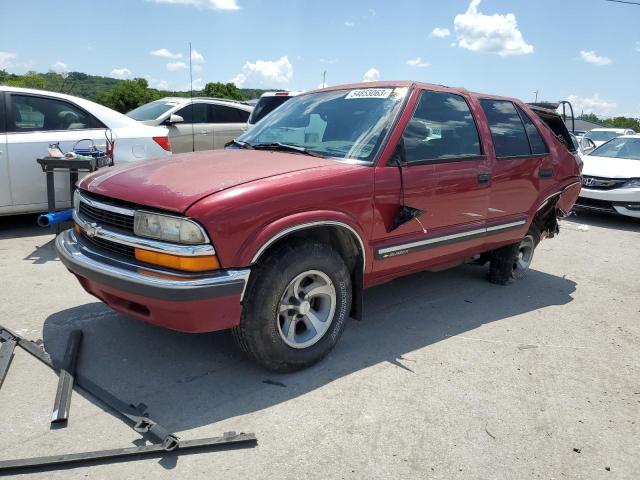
(105, 217)
(593, 204)
(113, 247)
(600, 183)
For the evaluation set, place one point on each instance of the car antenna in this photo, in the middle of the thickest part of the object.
(193, 135)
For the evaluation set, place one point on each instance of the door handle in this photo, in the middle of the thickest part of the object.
(545, 173)
(484, 178)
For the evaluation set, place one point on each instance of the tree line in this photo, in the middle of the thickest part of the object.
(120, 95)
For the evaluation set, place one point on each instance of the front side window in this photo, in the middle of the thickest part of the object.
(194, 113)
(538, 147)
(507, 130)
(151, 111)
(345, 124)
(224, 114)
(601, 136)
(30, 113)
(441, 127)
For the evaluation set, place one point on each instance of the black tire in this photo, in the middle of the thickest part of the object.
(259, 336)
(503, 267)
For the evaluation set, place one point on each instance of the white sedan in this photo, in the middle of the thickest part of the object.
(611, 177)
(30, 120)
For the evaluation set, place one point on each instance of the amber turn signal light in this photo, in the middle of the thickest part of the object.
(177, 262)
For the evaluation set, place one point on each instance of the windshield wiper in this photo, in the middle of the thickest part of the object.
(286, 147)
(240, 143)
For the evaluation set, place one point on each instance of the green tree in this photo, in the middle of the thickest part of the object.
(127, 95)
(222, 90)
(29, 80)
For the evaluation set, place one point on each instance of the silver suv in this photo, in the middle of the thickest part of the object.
(200, 124)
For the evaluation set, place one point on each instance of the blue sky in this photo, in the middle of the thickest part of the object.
(585, 50)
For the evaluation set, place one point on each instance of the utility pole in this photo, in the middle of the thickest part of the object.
(193, 135)
(324, 77)
(536, 92)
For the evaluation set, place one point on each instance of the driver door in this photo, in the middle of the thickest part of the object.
(446, 176)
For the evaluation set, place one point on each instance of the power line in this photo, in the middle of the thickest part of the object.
(624, 1)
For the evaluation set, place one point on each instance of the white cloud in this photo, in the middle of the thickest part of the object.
(440, 32)
(349, 24)
(196, 56)
(495, 33)
(173, 66)
(212, 4)
(60, 67)
(593, 104)
(159, 84)
(197, 68)
(592, 57)
(265, 73)
(120, 73)
(417, 62)
(163, 52)
(371, 75)
(198, 84)
(6, 59)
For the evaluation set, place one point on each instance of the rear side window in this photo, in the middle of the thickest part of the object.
(265, 106)
(507, 130)
(441, 127)
(30, 113)
(194, 113)
(538, 147)
(224, 114)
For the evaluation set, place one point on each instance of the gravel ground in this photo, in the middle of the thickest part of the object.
(448, 376)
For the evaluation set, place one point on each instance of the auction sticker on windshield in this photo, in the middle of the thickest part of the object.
(369, 93)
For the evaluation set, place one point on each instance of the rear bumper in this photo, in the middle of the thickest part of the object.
(184, 302)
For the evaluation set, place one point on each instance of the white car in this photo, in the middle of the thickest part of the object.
(267, 103)
(31, 120)
(611, 177)
(602, 135)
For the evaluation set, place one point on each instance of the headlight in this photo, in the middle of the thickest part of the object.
(168, 228)
(76, 200)
(633, 183)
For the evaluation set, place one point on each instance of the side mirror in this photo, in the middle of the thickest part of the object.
(399, 157)
(173, 118)
(588, 145)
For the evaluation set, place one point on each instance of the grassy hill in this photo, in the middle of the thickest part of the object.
(92, 86)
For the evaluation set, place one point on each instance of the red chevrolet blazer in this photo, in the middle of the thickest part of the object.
(336, 190)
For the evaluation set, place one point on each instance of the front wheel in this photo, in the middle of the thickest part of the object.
(296, 306)
(512, 262)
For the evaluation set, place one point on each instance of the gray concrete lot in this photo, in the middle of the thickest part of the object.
(447, 377)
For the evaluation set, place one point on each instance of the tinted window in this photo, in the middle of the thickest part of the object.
(224, 114)
(441, 127)
(535, 139)
(507, 131)
(30, 113)
(2, 115)
(151, 111)
(265, 106)
(194, 113)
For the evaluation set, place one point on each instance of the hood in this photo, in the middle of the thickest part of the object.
(175, 183)
(608, 167)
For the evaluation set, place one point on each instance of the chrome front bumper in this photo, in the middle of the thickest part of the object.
(87, 261)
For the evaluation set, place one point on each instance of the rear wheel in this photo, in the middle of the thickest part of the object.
(512, 262)
(295, 307)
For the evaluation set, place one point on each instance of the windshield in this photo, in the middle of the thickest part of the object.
(343, 123)
(151, 111)
(265, 106)
(628, 148)
(600, 136)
